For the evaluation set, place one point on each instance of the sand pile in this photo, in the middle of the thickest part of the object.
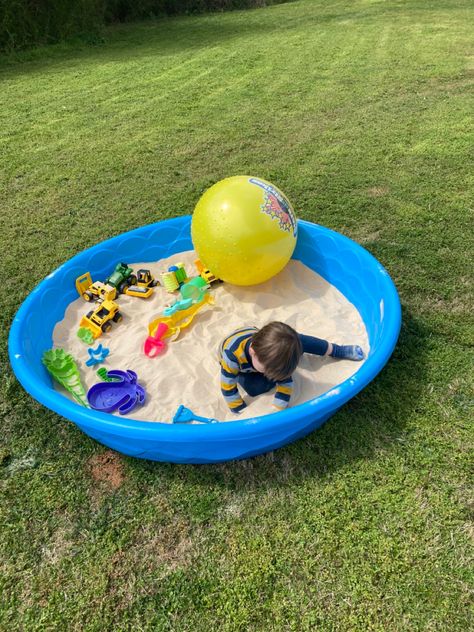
(188, 372)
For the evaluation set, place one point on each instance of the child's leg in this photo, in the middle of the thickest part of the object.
(254, 383)
(318, 346)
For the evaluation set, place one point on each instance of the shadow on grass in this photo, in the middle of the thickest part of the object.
(168, 36)
(126, 43)
(369, 423)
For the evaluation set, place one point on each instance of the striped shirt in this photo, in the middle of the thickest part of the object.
(234, 359)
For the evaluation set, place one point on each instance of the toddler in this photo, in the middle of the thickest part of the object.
(259, 359)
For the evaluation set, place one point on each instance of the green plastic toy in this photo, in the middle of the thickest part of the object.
(121, 278)
(64, 370)
(85, 335)
(194, 289)
(103, 374)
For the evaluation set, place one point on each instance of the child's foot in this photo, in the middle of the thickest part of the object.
(347, 352)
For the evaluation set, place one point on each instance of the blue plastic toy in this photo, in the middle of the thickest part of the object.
(177, 306)
(340, 261)
(192, 292)
(184, 415)
(97, 356)
(123, 394)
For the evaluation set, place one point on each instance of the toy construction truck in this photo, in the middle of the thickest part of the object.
(144, 285)
(97, 291)
(205, 273)
(121, 278)
(99, 320)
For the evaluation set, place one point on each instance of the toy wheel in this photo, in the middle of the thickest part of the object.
(117, 318)
(122, 287)
(106, 327)
(87, 296)
(132, 279)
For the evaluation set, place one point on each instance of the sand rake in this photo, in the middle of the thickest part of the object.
(184, 415)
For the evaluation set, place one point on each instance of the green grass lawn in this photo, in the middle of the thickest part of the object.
(361, 111)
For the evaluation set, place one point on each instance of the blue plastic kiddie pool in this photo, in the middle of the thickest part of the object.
(339, 260)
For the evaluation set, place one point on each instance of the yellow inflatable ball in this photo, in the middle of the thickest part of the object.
(244, 230)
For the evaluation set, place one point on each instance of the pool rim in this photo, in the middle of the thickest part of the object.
(92, 421)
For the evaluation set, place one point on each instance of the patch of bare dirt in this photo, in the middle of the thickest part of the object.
(107, 468)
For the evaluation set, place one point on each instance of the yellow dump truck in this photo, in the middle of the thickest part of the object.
(96, 291)
(205, 273)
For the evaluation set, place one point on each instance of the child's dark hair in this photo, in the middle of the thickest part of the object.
(278, 347)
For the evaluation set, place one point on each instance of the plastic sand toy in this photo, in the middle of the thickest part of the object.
(154, 345)
(85, 335)
(184, 415)
(179, 319)
(99, 320)
(122, 395)
(63, 368)
(96, 356)
(103, 374)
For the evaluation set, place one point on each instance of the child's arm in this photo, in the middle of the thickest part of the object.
(283, 393)
(229, 373)
(318, 346)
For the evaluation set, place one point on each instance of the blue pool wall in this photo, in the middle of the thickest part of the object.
(342, 262)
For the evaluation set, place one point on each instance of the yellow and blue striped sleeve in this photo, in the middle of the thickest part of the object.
(283, 394)
(229, 372)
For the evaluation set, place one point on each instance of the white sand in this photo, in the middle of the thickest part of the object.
(188, 372)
